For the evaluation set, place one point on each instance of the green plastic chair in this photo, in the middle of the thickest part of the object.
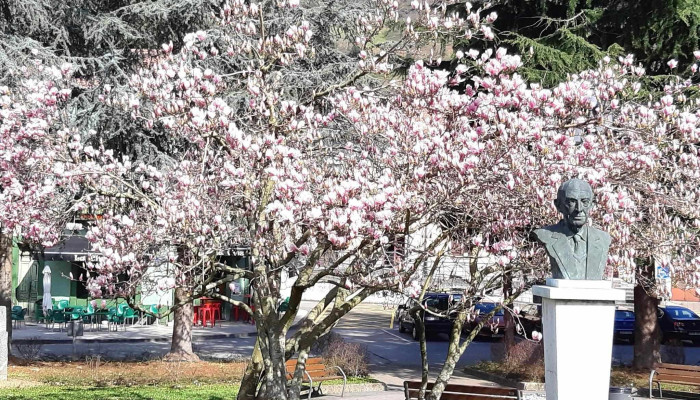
(62, 304)
(153, 319)
(17, 316)
(284, 306)
(114, 317)
(126, 313)
(58, 317)
(77, 313)
(89, 315)
(130, 313)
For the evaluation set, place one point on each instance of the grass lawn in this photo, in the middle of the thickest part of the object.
(149, 380)
(200, 392)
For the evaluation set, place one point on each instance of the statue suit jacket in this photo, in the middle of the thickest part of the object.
(556, 241)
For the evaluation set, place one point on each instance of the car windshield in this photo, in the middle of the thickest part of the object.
(681, 313)
(624, 314)
(436, 302)
(485, 308)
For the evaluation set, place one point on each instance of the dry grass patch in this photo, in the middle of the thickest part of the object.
(95, 372)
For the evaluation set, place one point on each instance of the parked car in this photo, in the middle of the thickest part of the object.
(529, 319)
(679, 323)
(434, 324)
(492, 328)
(624, 325)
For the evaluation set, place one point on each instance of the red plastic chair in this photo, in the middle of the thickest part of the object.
(195, 315)
(217, 310)
(236, 311)
(207, 314)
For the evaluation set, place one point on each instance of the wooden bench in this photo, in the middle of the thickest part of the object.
(673, 373)
(316, 371)
(462, 392)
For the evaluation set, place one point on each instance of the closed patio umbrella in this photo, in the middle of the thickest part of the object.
(46, 302)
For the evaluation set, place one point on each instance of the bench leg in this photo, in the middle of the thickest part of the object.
(345, 380)
(651, 386)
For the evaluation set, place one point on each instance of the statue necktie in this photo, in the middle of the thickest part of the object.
(579, 246)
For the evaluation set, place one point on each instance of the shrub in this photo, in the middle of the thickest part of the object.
(673, 352)
(29, 349)
(525, 360)
(351, 357)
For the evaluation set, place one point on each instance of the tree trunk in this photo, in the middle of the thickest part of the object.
(454, 352)
(6, 283)
(181, 347)
(296, 381)
(509, 329)
(272, 347)
(646, 328)
(249, 383)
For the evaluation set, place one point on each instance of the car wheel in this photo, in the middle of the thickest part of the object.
(414, 332)
(401, 327)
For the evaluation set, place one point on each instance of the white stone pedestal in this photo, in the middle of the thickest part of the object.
(577, 319)
(3, 343)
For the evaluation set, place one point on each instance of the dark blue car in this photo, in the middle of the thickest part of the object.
(624, 325)
(679, 323)
(435, 322)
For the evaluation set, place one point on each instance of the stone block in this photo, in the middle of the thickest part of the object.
(577, 319)
(3, 356)
(3, 319)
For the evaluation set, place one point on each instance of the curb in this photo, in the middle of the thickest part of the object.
(530, 386)
(354, 388)
(134, 340)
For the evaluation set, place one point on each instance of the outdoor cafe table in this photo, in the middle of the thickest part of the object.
(98, 317)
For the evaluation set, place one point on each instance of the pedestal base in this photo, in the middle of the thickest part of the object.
(3, 343)
(577, 319)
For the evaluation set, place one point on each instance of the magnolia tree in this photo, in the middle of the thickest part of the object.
(268, 165)
(272, 167)
(32, 203)
(500, 150)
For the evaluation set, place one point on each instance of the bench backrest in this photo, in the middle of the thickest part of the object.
(678, 373)
(462, 392)
(314, 367)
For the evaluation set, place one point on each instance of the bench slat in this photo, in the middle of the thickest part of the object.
(317, 378)
(692, 380)
(315, 367)
(678, 367)
(676, 371)
(465, 396)
(676, 374)
(309, 361)
(452, 387)
(321, 374)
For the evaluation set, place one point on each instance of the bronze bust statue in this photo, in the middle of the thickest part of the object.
(576, 250)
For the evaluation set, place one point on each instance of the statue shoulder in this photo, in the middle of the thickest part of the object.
(545, 234)
(602, 235)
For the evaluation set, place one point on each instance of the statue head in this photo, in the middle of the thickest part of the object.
(574, 201)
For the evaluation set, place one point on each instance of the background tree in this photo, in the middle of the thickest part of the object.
(101, 41)
(558, 38)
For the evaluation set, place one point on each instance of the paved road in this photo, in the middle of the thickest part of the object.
(367, 324)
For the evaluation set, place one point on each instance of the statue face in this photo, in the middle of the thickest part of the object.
(577, 202)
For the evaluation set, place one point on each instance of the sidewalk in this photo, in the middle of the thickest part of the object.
(133, 333)
(38, 333)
